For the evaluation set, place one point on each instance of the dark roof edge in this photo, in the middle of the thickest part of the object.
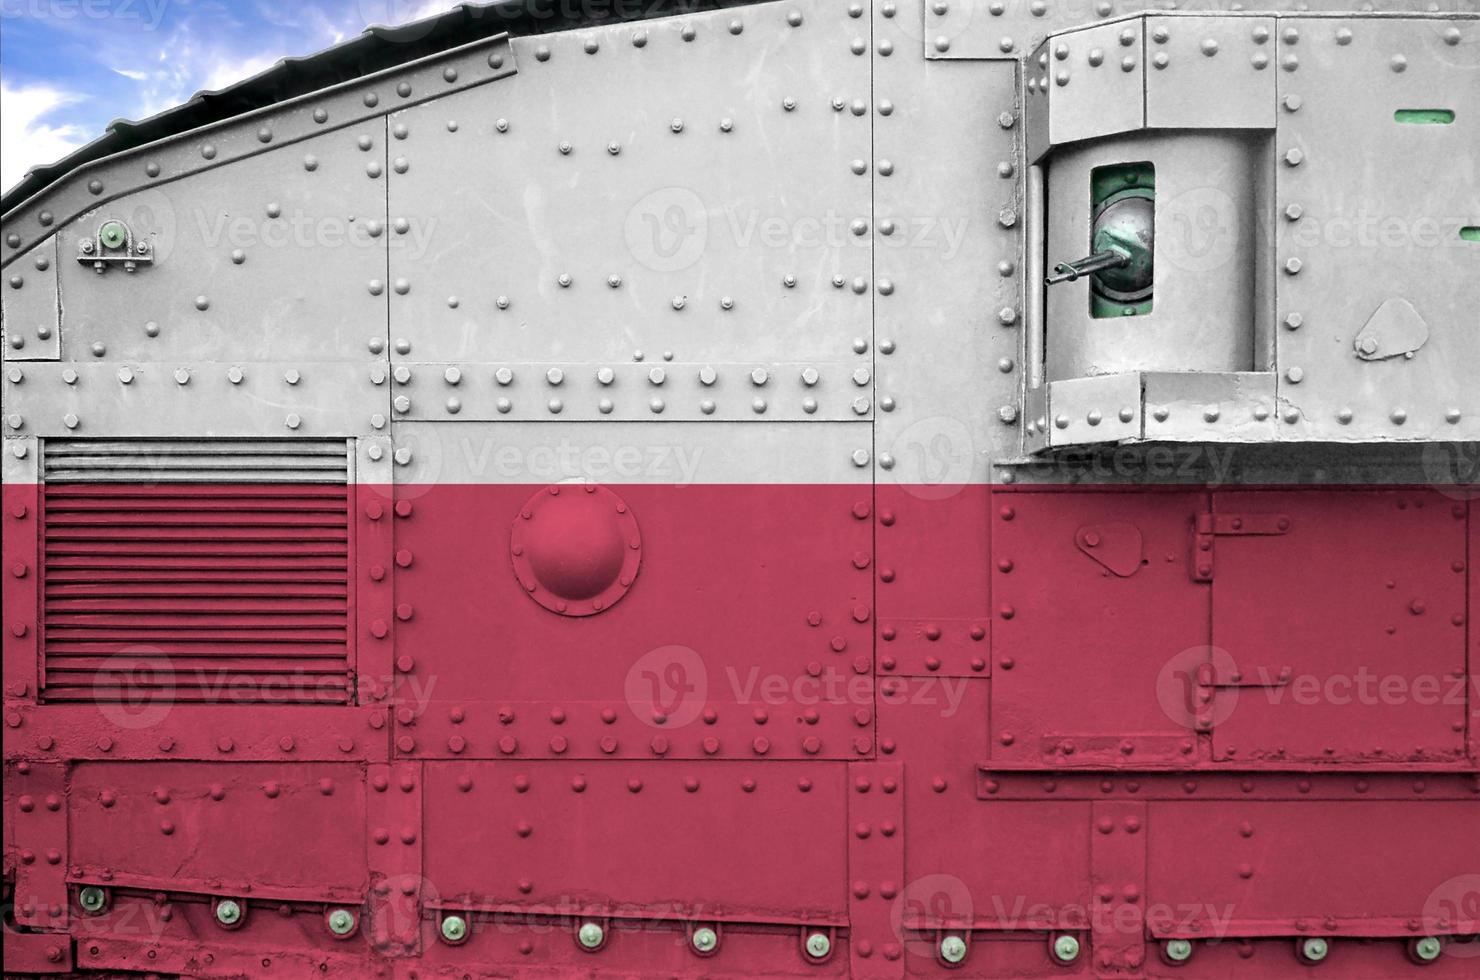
(377, 49)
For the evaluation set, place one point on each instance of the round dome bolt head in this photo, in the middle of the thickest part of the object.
(705, 939)
(1065, 949)
(454, 928)
(591, 935)
(341, 922)
(1314, 949)
(818, 945)
(1427, 949)
(92, 899)
(1178, 950)
(113, 234)
(228, 912)
(953, 949)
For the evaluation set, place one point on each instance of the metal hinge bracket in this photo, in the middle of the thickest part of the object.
(1208, 526)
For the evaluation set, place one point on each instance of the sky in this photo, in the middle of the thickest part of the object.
(70, 67)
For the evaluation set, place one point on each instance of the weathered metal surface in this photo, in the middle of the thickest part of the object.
(359, 619)
(1353, 235)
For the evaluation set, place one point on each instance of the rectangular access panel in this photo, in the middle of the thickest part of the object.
(1339, 625)
(1097, 620)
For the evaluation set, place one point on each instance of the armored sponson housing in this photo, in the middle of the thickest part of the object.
(781, 489)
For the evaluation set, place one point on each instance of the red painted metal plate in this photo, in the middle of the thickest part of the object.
(1347, 631)
(1088, 663)
(681, 667)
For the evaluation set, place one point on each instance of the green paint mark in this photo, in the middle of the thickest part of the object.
(1470, 233)
(1425, 117)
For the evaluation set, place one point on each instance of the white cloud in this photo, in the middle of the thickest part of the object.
(229, 72)
(26, 138)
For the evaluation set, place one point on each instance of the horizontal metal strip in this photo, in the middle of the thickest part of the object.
(64, 672)
(279, 447)
(147, 475)
(198, 549)
(214, 621)
(147, 635)
(204, 492)
(80, 510)
(147, 568)
(196, 519)
(208, 533)
(189, 696)
(213, 462)
(61, 581)
(133, 606)
(225, 590)
(117, 652)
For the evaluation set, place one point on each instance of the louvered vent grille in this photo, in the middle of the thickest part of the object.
(209, 571)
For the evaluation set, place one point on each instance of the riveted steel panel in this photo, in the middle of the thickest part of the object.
(1342, 637)
(29, 306)
(727, 842)
(703, 685)
(1086, 83)
(677, 455)
(1001, 29)
(933, 588)
(976, 29)
(948, 297)
(1098, 581)
(1360, 228)
(1345, 868)
(1213, 72)
(37, 844)
(225, 280)
(715, 683)
(1101, 409)
(359, 101)
(225, 830)
(717, 217)
(203, 396)
(1195, 406)
(661, 391)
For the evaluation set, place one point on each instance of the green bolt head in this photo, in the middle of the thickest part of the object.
(228, 912)
(590, 935)
(454, 928)
(818, 945)
(1178, 950)
(92, 899)
(1428, 948)
(113, 234)
(953, 949)
(1315, 949)
(1066, 949)
(341, 922)
(705, 939)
